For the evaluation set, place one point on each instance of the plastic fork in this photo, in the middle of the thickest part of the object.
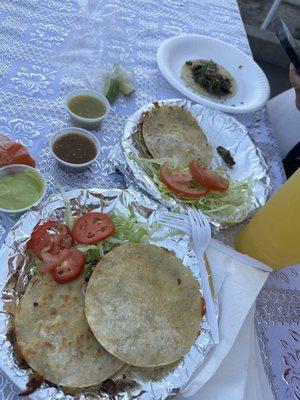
(181, 222)
(185, 224)
(201, 235)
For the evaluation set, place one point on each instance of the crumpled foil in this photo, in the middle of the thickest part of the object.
(132, 383)
(221, 130)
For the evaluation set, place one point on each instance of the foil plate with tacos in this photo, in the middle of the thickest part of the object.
(181, 153)
(99, 299)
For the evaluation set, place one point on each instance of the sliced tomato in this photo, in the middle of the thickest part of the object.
(92, 228)
(208, 178)
(181, 183)
(50, 261)
(52, 237)
(14, 153)
(70, 268)
(181, 176)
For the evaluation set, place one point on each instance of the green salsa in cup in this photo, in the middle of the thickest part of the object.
(20, 188)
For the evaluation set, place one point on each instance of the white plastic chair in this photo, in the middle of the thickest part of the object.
(274, 9)
(271, 14)
(285, 120)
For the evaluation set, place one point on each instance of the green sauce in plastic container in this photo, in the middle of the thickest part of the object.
(20, 190)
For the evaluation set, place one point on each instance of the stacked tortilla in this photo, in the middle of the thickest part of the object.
(173, 133)
(142, 307)
(54, 336)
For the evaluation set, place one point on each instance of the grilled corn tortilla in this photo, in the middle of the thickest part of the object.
(54, 336)
(143, 305)
(187, 76)
(173, 133)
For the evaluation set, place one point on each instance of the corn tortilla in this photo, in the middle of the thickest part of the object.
(143, 305)
(173, 133)
(54, 336)
(187, 76)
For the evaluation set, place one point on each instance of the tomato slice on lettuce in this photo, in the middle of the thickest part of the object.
(181, 182)
(181, 176)
(70, 267)
(92, 228)
(208, 178)
(50, 261)
(51, 237)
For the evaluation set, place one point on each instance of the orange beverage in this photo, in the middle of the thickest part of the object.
(273, 234)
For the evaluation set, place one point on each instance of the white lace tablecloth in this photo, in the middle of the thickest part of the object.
(32, 89)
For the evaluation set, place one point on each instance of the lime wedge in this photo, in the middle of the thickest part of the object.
(126, 88)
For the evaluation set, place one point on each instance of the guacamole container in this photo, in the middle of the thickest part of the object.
(11, 194)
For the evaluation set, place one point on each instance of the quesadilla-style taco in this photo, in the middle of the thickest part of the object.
(54, 336)
(173, 133)
(209, 78)
(143, 305)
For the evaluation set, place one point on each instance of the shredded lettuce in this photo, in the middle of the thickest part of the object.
(92, 254)
(152, 166)
(100, 248)
(68, 217)
(32, 265)
(227, 207)
(127, 230)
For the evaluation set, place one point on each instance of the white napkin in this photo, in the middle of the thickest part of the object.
(257, 385)
(228, 371)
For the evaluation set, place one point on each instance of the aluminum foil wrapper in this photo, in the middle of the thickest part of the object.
(132, 383)
(221, 130)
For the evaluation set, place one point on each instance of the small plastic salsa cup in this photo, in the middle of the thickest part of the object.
(31, 179)
(86, 122)
(69, 166)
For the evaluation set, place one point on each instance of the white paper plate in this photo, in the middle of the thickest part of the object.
(253, 89)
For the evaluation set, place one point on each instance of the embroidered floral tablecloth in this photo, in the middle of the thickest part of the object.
(32, 106)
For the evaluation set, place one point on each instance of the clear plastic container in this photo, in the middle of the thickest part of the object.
(83, 122)
(20, 168)
(67, 166)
